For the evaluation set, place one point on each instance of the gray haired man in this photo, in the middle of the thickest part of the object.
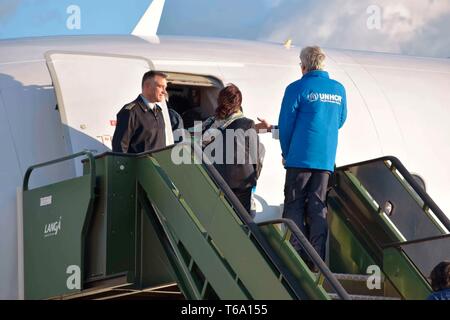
(314, 108)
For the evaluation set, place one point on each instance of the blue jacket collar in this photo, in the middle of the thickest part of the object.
(316, 73)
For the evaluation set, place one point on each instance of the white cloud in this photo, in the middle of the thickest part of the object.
(418, 27)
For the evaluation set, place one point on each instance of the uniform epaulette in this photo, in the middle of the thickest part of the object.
(130, 106)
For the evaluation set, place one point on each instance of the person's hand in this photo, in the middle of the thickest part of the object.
(263, 125)
(283, 162)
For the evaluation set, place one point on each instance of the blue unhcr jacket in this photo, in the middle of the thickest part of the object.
(312, 111)
(440, 295)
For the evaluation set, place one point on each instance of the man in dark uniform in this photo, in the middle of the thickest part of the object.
(140, 124)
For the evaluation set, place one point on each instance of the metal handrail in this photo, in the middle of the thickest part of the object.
(406, 243)
(312, 253)
(248, 221)
(135, 155)
(253, 228)
(92, 171)
(428, 201)
(400, 247)
(239, 210)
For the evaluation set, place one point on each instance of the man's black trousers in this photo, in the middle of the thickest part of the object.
(305, 192)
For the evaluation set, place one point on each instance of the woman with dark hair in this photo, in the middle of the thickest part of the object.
(236, 151)
(440, 281)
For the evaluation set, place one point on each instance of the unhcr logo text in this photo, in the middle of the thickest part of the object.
(324, 97)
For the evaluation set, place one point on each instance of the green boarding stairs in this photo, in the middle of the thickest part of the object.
(141, 226)
(382, 221)
(135, 224)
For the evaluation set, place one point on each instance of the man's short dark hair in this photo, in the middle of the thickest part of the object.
(440, 276)
(151, 74)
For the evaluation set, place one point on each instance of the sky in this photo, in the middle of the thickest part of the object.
(412, 27)
(25, 18)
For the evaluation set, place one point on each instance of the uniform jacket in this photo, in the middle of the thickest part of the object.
(139, 128)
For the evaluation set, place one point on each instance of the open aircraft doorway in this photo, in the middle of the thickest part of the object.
(194, 97)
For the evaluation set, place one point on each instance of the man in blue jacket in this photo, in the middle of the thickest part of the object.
(314, 108)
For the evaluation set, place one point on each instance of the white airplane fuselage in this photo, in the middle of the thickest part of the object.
(397, 105)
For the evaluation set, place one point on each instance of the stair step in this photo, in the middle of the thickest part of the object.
(334, 296)
(356, 286)
(353, 277)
